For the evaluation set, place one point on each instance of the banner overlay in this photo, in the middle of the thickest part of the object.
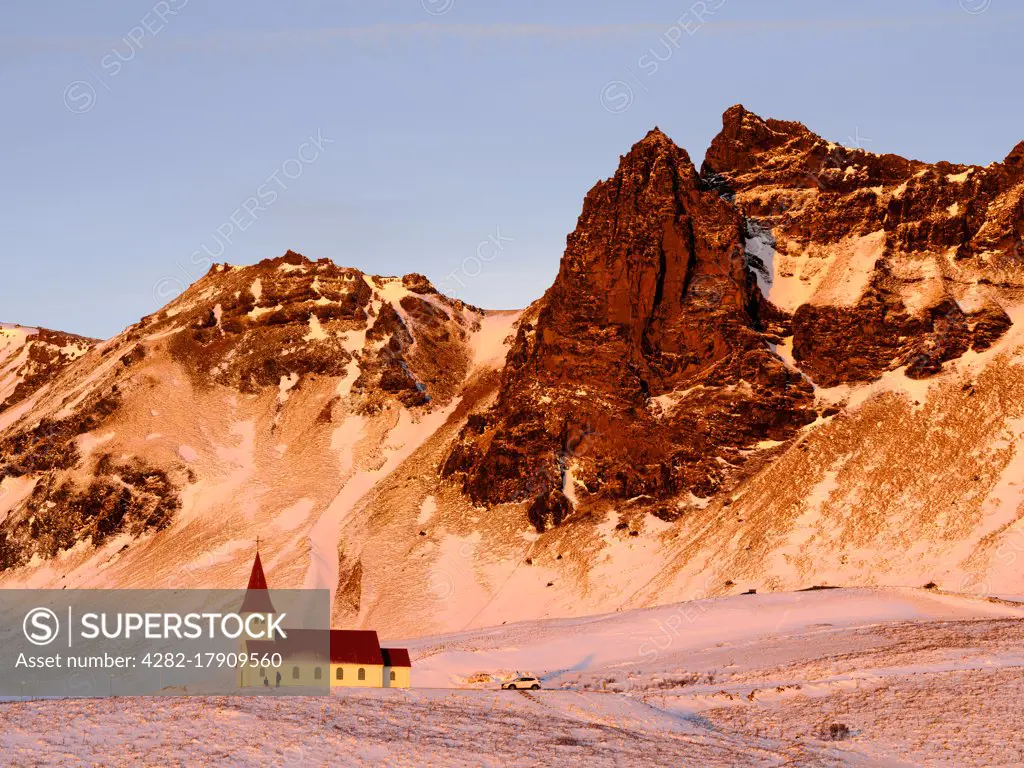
(88, 642)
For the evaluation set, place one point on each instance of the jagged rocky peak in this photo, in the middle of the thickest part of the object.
(1014, 162)
(647, 370)
(882, 261)
(278, 322)
(652, 247)
(787, 152)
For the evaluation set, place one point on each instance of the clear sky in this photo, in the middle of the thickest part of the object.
(138, 135)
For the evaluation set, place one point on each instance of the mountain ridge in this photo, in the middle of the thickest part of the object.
(759, 375)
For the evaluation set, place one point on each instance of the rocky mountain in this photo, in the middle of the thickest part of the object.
(883, 262)
(246, 369)
(799, 366)
(647, 372)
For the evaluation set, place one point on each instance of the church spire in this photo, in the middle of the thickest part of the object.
(257, 600)
(256, 578)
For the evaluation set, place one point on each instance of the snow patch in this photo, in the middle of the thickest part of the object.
(849, 268)
(759, 249)
(88, 441)
(836, 274)
(293, 517)
(490, 344)
(74, 351)
(285, 385)
(257, 312)
(316, 331)
(569, 483)
(427, 510)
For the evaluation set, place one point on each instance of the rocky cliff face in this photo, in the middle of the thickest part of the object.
(31, 357)
(647, 371)
(882, 261)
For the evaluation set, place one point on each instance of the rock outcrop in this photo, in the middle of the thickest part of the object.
(286, 319)
(31, 357)
(647, 371)
(882, 261)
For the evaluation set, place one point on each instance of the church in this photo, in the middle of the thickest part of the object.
(355, 658)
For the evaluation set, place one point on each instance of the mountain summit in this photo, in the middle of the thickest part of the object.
(883, 261)
(648, 369)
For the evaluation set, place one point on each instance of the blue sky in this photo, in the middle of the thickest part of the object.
(138, 136)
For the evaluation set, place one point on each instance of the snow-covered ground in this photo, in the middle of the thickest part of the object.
(638, 648)
(829, 677)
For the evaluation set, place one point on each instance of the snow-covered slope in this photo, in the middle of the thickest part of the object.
(30, 358)
(265, 401)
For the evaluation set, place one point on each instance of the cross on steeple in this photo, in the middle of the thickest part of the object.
(257, 545)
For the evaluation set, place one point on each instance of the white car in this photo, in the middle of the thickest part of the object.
(531, 683)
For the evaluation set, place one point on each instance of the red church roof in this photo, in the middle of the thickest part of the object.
(347, 646)
(355, 646)
(256, 598)
(396, 657)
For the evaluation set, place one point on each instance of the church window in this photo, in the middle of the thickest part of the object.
(295, 673)
(362, 673)
(317, 674)
(339, 674)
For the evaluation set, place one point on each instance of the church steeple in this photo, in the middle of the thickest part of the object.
(256, 578)
(257, 600)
